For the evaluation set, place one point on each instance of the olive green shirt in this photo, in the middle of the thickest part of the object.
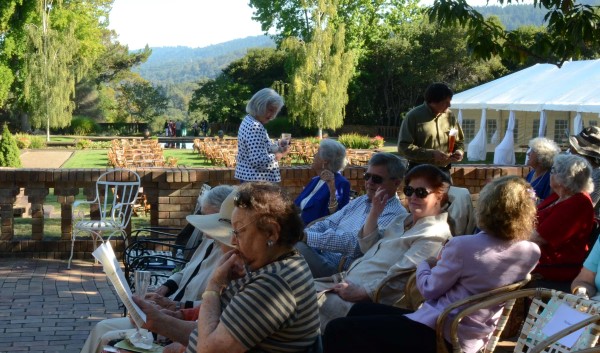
(422, 132)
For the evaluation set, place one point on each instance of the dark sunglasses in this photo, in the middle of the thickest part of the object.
(376, 179)
(419, 192)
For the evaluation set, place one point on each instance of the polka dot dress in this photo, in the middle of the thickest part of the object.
(255, 160)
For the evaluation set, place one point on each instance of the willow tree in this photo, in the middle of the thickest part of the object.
(51, 78)
(318, 91)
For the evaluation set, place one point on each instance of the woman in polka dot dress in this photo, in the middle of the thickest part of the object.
(257, 157)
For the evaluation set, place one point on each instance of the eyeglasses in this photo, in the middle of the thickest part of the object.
(419, 192)
(236, 232)
(376, 179)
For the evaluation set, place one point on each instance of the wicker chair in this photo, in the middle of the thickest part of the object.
(531, 339)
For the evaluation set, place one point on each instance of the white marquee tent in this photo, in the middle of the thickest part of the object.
(574, 88)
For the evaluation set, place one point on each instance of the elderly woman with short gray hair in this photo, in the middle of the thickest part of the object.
(565, 220)
(540, 157)
(329, 191)
(257, 157)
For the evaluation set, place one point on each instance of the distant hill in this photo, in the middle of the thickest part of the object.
(516, 15)
(172, 65)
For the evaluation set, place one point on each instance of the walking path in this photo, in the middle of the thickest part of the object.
(44, 158)
(46, 308)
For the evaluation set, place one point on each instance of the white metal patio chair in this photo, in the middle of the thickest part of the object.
(116, 193)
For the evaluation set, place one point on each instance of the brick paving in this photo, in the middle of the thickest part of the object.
(46, 308)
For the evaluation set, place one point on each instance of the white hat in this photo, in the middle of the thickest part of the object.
(218, 225)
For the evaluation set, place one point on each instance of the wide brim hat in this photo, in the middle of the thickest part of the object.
(216, 226)
(587, 142)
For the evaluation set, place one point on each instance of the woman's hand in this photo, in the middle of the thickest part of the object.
(174, 347)
(327, 176)
(351, 292)
(161, 301)
(230, 267)
(153, 314)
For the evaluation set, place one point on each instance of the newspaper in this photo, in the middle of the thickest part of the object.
(105, 254)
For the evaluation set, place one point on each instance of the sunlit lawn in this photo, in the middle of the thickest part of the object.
(99, 158)
(52, 226)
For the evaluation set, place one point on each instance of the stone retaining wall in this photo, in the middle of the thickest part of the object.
(171, 192)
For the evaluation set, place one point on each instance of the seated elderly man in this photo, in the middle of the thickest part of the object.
(183, 289)
(335, 237)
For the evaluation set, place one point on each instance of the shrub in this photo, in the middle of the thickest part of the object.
(355, 141)
(377, 142)
(9, 151)
(23, 141)
(82, 144)
(83, 126)
(37, 142)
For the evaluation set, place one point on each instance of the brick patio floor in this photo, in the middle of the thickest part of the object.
(46, 308)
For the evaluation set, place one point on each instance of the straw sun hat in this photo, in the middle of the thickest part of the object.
(218, 225)
(587, 143)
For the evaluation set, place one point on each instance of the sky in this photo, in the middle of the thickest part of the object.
(190, 23)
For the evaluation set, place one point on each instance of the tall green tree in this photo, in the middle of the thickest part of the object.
(50, 82)
(142, 101)
(572, 31)
(365, 20)
(393, 75)
(318, 92)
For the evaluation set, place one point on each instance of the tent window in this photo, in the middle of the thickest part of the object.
(536, 128)
(468, 126)
(593, 123)
(561, 130)
(515, 131)
(491, 126)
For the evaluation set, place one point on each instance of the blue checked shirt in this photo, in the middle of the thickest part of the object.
(337, 235)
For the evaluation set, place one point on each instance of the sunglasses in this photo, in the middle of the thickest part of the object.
(376, 179)
(419, 192)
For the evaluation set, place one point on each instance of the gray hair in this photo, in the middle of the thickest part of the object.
(215, 196)
(334, 153)
(396, 166)
(545, 150)
(573, 172)
(263, 99)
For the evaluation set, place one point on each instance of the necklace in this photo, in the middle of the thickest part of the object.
(535, 181)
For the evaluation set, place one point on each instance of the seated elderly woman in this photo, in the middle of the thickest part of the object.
(329, 191)
(408, 240)
(565, 220)
(263, 281)
(540, 157)
(182, 288)
(498, 255)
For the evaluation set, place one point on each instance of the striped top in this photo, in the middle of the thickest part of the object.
(273, 309)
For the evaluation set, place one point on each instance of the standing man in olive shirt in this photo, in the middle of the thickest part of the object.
(425, 131)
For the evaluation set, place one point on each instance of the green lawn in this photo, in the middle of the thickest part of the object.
(52, 227)
(99, 158)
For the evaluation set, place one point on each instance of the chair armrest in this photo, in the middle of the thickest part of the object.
(477, 298)
(167, 232)
(385, 281)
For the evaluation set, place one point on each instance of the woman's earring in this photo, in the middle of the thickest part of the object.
(270, 243)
